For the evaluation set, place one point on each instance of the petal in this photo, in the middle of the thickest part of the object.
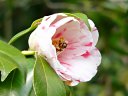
(51, 19)
(95, 35)
(59, 17)
(47, 24)
(82, 68)
(93, 56)
(94, 31)
(47, 20)
(79, 39)
(72, 83)
(55, 64)
(64, 21)
(40, 40)
(92, 25)
(69, 28)
(42, 43)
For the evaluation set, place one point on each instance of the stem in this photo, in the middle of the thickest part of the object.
(28, 52)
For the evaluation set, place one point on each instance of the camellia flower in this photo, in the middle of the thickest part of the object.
(68, 46)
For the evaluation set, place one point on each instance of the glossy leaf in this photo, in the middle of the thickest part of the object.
(20, 34)
(32, 93)
(29, 76)
(16, 72)
(46, 81)
(13, 85)
(10, 58)
(7, 64)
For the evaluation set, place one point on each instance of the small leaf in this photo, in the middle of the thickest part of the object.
(7, 64)
(46, 81)
(32, 93)
(29, 76)
(12, 85)
(13, 68)
(81, 16)
(20, 34)
(10, 58)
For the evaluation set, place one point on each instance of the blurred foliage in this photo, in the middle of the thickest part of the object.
(111, 19)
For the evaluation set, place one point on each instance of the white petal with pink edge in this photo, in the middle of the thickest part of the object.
(82, 68)
(77, 62)
(79, 39)
(94, 31)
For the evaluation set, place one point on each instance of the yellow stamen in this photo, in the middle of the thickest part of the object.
(60, 44)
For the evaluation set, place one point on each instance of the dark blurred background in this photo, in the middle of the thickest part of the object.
(111, 19)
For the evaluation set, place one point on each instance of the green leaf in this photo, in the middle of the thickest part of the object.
(10, 58)
(46, 81)
(29, 76)
(7, 64)
(32, 93)
(22, 33)
(16, 72)
(13, 85)
(81, 16)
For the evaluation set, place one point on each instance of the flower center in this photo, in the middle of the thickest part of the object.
(60, 44)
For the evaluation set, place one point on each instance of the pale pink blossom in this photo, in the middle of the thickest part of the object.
(68, 46)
